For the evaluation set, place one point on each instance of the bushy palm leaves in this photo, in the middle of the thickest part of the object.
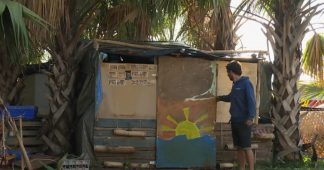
(312, 92)
(313, 61)
(15, 46)
(313, 65)
(204, 24)
(13, 30)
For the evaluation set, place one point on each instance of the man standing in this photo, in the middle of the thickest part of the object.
(243, 111)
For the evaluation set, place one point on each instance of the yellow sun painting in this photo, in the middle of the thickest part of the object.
(187, 127)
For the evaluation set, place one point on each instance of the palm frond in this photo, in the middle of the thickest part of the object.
(313, 57)
(14, 32)
(312, 91)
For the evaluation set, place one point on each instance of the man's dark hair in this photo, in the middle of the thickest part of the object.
(235, 67)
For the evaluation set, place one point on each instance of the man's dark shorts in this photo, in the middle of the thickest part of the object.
(241, 134)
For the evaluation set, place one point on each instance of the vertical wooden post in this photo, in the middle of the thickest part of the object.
(21, 135)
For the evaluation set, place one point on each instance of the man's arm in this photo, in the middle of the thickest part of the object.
(224, 98)
(250, 101)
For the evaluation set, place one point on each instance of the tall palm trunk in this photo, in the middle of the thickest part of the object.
(225, 28)
(285, 35)
(62, 101)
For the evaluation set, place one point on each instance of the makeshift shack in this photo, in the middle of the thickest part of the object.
(158, 101)
(152, 104)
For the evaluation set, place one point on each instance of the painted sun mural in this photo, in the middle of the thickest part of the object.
(187, 127)
(185, 135)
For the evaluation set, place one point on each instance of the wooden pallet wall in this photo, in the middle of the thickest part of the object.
(144, 146)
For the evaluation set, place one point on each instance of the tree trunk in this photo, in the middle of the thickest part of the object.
(62, 112)
(285, 37)
(62, 100)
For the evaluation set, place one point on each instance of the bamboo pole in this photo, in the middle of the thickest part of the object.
(21, 135)
(13, 126)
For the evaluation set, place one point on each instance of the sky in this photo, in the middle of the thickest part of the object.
(252, 37)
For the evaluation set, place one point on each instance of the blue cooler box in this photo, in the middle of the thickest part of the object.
(27, 112)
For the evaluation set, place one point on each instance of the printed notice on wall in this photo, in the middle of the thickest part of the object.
(132, 74)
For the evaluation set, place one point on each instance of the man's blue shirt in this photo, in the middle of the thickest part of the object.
(242, 100)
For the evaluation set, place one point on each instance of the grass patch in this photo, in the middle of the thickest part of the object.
(295, 165)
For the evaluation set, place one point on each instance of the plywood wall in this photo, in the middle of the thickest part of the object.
(224, 86)
(129, 91)
(186, 113)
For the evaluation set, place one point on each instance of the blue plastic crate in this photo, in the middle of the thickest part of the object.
(27, 112)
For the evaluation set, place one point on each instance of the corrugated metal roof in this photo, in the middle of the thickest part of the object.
(162, 48)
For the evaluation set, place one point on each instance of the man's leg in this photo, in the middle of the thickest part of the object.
(250, 158)
(241, 158)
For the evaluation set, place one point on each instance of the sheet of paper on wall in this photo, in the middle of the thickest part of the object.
(132, 74)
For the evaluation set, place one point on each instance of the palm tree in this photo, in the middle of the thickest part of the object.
(135, 20)
(15, 46)
(285, 31)
(208, 25)
(69, 19)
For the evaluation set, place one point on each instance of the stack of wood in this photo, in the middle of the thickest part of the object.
(31, 138)
(121, 143)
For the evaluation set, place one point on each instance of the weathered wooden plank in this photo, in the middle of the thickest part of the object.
(124, 141)
(225, 155)
(108, 123)
(230, 146)
(12, 141)
(30, 124)
(266, 145)
(126, 123)
(265, 155)
(121, 165)
(129, 133)
(148, 123)
(118, 149)
(129, 123)
(27, 133)
(125, 159)
(223, 138)
(145, 155)
(223, 133)
(222, 126)
(109, 131)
